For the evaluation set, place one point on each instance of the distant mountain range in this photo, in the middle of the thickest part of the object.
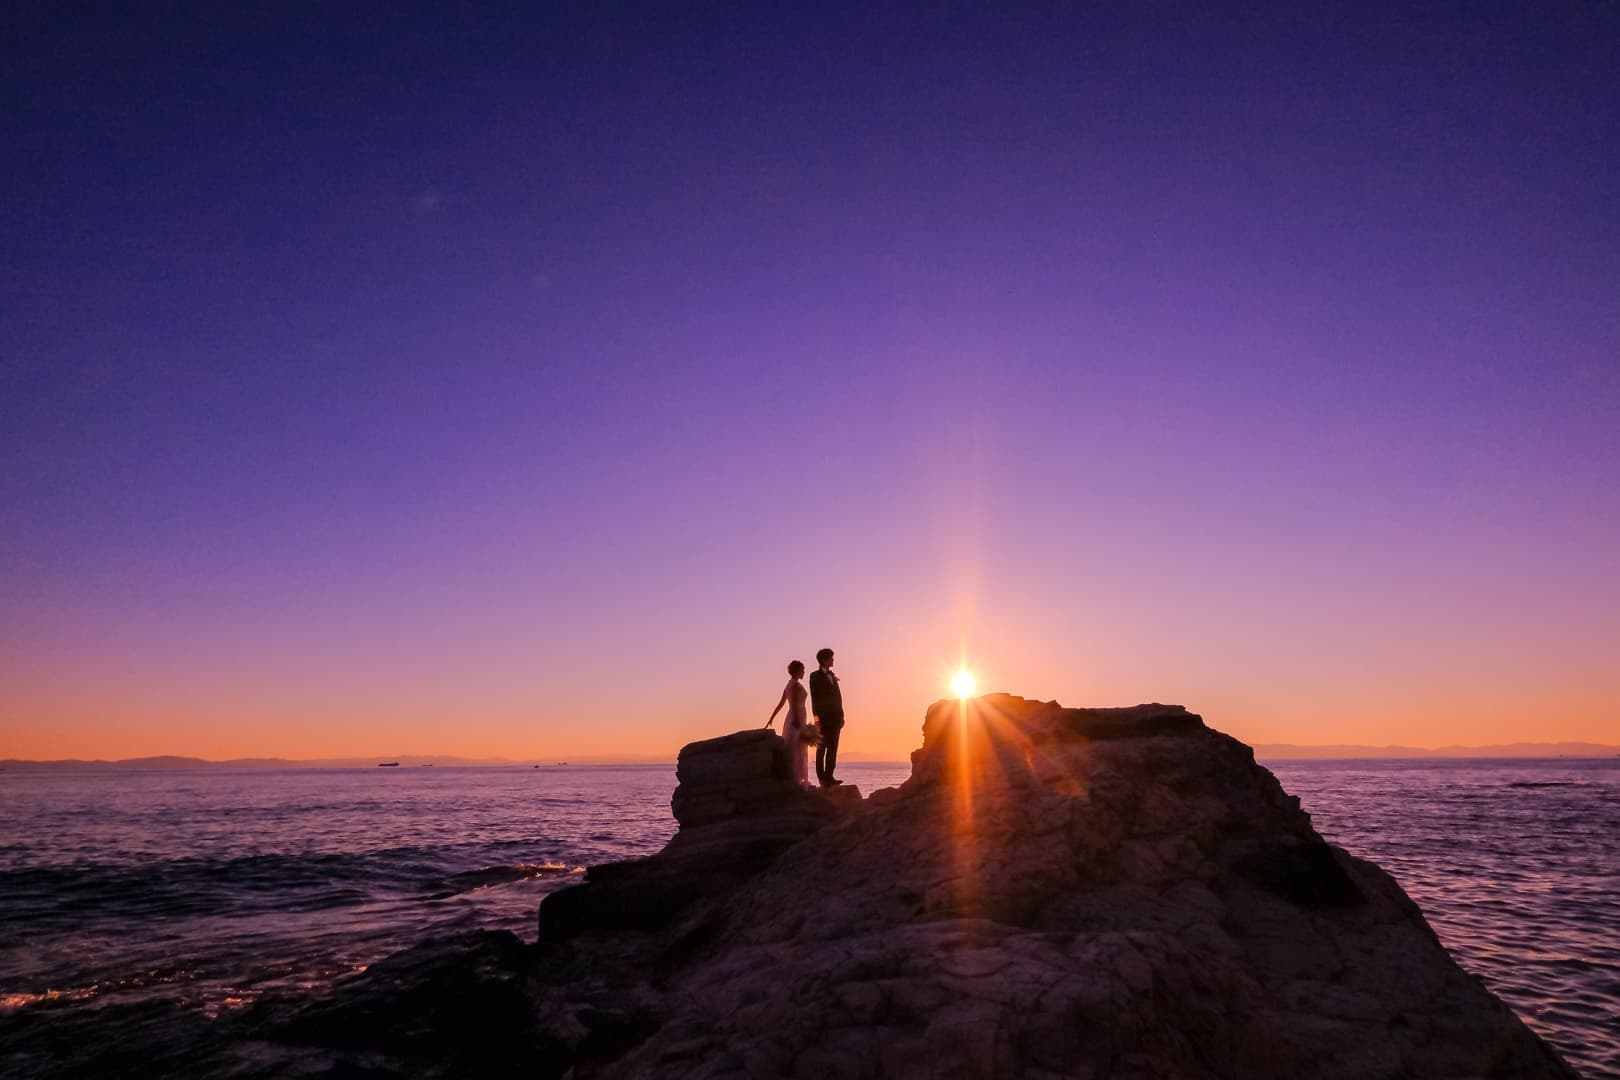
(171, 763)
(1263, 751)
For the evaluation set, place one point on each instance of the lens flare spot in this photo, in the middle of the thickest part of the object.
(963, 684)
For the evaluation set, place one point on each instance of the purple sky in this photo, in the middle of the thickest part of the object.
(379, 380)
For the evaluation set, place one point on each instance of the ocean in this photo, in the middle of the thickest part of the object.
(206, 889)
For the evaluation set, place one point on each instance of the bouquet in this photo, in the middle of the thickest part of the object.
(810, 734)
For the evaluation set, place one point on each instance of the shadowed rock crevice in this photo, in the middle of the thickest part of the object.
(1304, 874)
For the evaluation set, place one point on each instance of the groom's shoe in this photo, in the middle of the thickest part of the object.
(831, 781)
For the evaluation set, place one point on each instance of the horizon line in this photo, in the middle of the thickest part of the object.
(1308, 751)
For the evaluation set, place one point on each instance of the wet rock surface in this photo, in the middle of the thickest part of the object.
(452, 1007)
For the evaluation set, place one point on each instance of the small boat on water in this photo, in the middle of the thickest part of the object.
(387, 764)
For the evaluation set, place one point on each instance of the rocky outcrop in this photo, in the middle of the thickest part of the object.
(1055, 892)
(738, 808)
(745, 775)
(1099, 893)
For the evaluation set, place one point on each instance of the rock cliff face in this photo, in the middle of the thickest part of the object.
(1055, 892)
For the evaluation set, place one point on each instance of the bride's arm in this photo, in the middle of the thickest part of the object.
(782, 701)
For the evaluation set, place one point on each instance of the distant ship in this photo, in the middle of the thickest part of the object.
(387, 764)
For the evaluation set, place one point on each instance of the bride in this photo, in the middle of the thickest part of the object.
(793, 695)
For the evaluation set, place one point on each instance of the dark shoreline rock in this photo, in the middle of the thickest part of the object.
(1055, 892)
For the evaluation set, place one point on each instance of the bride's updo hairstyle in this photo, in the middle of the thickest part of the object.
(796, 668)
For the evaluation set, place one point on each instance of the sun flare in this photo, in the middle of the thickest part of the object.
(962, 684)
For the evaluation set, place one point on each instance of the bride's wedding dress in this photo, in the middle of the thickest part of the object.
(793, 731)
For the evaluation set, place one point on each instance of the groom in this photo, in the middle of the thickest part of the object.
(827, 702)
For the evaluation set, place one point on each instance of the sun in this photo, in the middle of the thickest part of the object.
(962, 683)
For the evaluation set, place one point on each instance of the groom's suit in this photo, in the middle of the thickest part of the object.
(827, 702)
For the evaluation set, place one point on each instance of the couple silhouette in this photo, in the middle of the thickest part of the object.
(827, 703)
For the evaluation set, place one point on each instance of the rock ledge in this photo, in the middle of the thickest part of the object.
(1055, 892)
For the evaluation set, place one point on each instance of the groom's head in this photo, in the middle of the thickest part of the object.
(825, 658)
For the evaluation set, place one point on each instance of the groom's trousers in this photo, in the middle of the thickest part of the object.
(827, 748)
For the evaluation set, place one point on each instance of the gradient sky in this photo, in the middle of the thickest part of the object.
(376, 381)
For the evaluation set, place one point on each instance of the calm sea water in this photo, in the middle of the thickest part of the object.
(1516, 865)
(210, 888)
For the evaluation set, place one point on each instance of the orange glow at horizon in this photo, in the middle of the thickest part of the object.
(888, 684)
(503, 683)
